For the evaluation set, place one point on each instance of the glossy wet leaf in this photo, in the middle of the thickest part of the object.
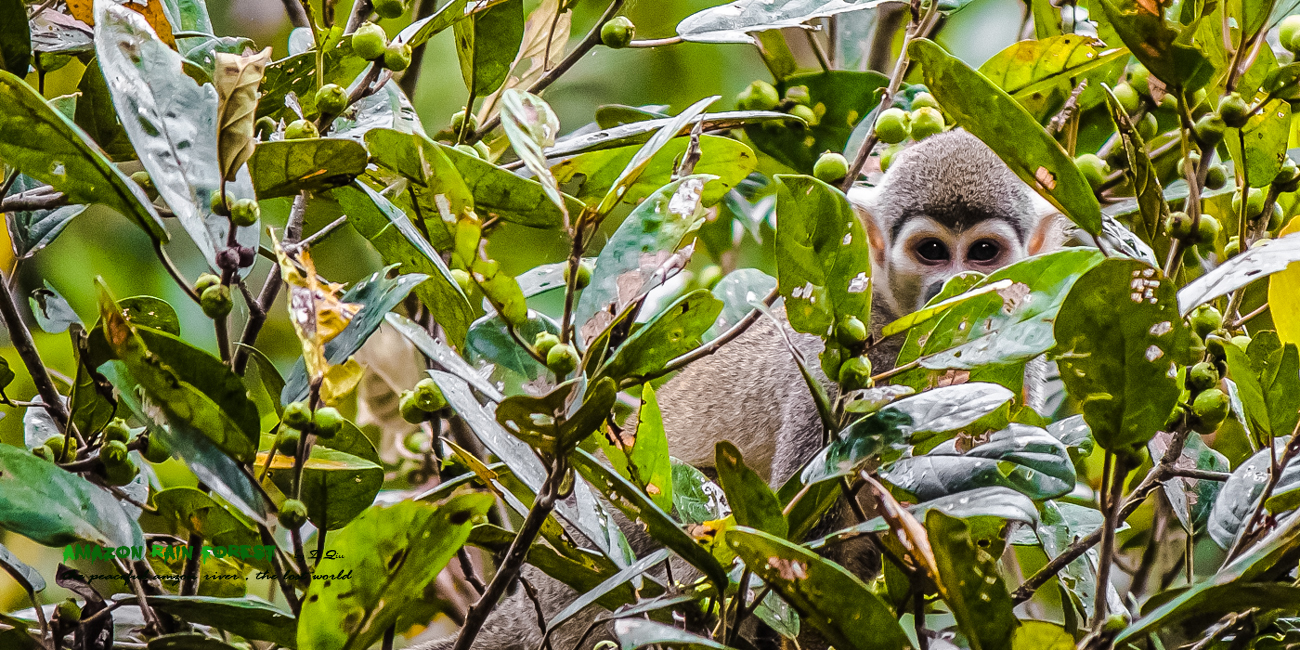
(970, 583)
(1267, 134)
(297, 75)
(402, 547)
(436, 186)
(52, 313)
(44, 144)
(595, 172)
(624, 577)
(1040, 74)
(840, 98)
(696, 498)
(1119, 336)
(521, 460)
(1268, 382)
(822, 256)
(646, 462)
(286, 167)
(206, 373)
(996, 118)
(486, 44)
(555, 423)
(251, 617)
(639, 132)
(438, 352)
(1236, 501)
(54, 507)
(94, 112)
(669, 334)
(498, 192)
(1264, 258)
(1156, 44)
(1191, 499)
(531, 126)
(986, 510)
(336, 486)
(398, 242)
(639, 633)
(828, 597)
(422, 30)
(738, 291)
(1024, 458)
(752, 502)
(735, 21)
(32, 230)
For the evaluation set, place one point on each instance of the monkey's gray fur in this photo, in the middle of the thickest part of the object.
(751, 392)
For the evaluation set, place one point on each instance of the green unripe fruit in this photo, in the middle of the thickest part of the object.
(850, 332)
(220, 207)
(206, 280)
(617, 33)
(855, 374)
(390, 8)
(1175, 417)
(143, 179)
(1140, 79)
(584, 274)
(286, 441)
(428, 396)
(1254, 203)
(1210, 129)
(1242, 341)
(463, 280)
(115, 430)
(245, 212)
(924, 100)
(1202, 376)
(157, 451)
(1207, 230)
(301, 130)
(1287, 30)
(1179, 225)
(327, 422)
(1232, 248)
(799, 95)
(1093, 168)
(1214, 347)
(1205, 320)
(69, 611)
(831, 167)
(468, 150)
(1274, 219)
(264, 127)
(830, 359)
(293, 514)
(562, 359)
(806, 114)
(891, 126)
(759, 96)
(397, 56)
(296, 415)
(710, 276)
(369, 41)
(44, 451)
(483, 150)
(417, 442)
(331, 99)
(1210, 409)
(216, 302)
(1115, 623)
(458, 122)
(544, 342)
(114, 453)
(887, 157)
(926, 122)
(1169, 102)
(1234, 111)
(410, 408)
(1288, 177)
(1148, 127)
(1193, 157)
(1128, 98)
(1216, 177)
(55, 443)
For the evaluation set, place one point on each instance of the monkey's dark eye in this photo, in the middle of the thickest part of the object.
(983, 251)
(932, 250)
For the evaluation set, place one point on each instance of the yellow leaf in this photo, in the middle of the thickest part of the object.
(340, 380)
(1284, 295)
(315, 310)
(237, 79)
(152, 10)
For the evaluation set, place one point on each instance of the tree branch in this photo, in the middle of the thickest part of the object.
(21, 338)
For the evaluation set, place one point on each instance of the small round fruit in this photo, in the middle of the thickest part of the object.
(296, 415)
(926, 122)
(331, 99)
(806, 114)
(428, 396)
(887, 157)
(245, 212)
(1234, 110)
(1210, 129)
(461, 276)
(69, 611)
(145, 182)
(157, 451)
(114, 453)
(115, 430)
(709, 276)
(924, 100)
(221, 207)
(759, 96)
(1140, 78)
(301, 130)
(390, 8)
(206, 280)
(1207, 230)
(1286, 32)
(483, 150)
(1202, 376)
(1093, 168)
(458, 122)
(410, 410)
(216, 301)
(286, 441)
(1115, 623)
(468, 150)
(831, 167)
(264, 127)
(397, 56)
(891, 126)
(369, 41)
(44, 451)
(1128, 98)
(850, 331)
(1232, 248)
(584, 274)
(617, 33)
(327, 421)
(1148, 127)
(1254, 204)
(1175, 417)
(855, 374)
(1288, 176)
(1205, 320)
(55, 443)
(417, 442)
(1216, 177)
(1179, 225)
(1215, 346)
(1274, 218)
(799, 95)
(544, 342)
(1210, 408)
(1242, 341)
(293, 513)
(562, 359)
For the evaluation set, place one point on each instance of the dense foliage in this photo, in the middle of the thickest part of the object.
(217, 501)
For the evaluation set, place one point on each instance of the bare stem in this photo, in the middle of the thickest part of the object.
(21, 339)
(717, 343)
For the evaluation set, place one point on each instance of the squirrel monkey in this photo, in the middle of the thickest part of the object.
(947, 205)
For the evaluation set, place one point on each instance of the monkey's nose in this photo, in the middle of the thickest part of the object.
(930, 292)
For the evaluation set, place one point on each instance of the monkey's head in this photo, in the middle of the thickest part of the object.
(948, 204)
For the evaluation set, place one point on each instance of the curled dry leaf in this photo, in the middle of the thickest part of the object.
(317, 313)
(237, 79)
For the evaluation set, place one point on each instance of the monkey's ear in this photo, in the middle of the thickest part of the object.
(1048, 234)
(861, 197)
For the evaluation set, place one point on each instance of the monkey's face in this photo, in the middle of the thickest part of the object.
(924, 253)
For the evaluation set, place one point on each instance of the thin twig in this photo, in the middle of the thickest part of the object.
(319, 234)
(656, 42)
(296, 15)
(467, 568)
(21, 338)
(713, 346)
(257, 316)
(185, 285)
(537, 609)
(1112, 477)
(41, 198)
(1274, 475)
(1236, 324)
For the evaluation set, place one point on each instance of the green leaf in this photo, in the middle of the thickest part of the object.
(1264, 258)
(32, 230)
(638, 507)
(1153, 210)
(752, 502)
(398, 242)
(531, 126)
(286, 167)
(15, 37)
(94, 112)
(638, 132)
(635, 633)
(54, 507)
(642, 243)
(669, 334)
(730, 161)
(1266, 134)
(1268, 378)
(47, 146)
(986, 510)
(521, 459)
(486, 44)
(1237, 500)
(489, 341)
(1041, 74)
(1119, 338)
(1191, 499)
(840, 98)
(297, 75)
(52, 313)
(614, 582)
(650, 452)
(642, 158)
(1210, 600)
(695, 497)
(995, 117)
(27, 577)
(336, 486)
(970, 583)
(422, 30)
(1164, 50)
(830, 598)
(188, 641)
(250, 617)
(402, 548)
(1021, 457)
(498, 192)
(545, 422)
(823, 259)
(433, 177)
(195, 511)
(733, 22)
(445, 357)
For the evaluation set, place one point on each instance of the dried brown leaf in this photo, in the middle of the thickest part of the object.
(237, 78)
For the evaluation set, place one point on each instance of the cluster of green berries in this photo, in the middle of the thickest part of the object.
(1287, 31)
(241, 212)
(116, 466)
(894, 125)
(843, 359)
(421, 402)
(214, 297)
(370, 42)
(561, 358)
(1209, 405)
(763, 96)
(325, 422)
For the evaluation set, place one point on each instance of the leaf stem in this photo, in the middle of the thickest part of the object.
(713, 346)
(1112, 489)
(185, 285)
(257, 317)
(21, 338)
